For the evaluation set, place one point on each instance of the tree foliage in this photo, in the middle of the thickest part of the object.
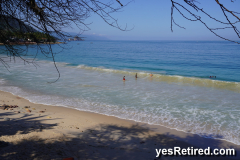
(50, 18)
(18, 36)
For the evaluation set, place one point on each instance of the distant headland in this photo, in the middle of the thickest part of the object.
(15, 32)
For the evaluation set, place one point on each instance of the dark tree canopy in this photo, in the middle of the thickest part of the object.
(50, 17)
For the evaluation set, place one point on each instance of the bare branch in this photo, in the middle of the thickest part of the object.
(50, 18)
(230, 25)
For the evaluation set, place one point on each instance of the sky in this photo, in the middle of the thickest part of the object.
(151, 20)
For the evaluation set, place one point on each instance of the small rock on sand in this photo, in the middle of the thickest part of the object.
(6, 119)
(28, 110)
(2, 107)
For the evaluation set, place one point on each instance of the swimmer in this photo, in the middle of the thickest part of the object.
(212, 77)
(151, 75)
(123, 78)
(136, 76)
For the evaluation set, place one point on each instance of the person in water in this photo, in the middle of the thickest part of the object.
(136, 76)
(151, 75)
(212, 77)
(123, 78)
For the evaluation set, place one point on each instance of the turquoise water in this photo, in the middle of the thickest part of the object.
(180, 94)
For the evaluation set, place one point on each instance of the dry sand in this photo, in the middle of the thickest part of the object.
(35, 131)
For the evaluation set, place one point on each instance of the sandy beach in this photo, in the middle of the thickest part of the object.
(41, 132)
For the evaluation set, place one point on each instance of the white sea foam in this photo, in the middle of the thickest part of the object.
(2, 81)
(212, 112)
(162, 115)
(234, 86)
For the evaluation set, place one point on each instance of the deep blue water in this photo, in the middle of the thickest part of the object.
(193, 59)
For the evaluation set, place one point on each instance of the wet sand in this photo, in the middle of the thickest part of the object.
(36, 131)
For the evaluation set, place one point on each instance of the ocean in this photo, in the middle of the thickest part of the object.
(180, 95)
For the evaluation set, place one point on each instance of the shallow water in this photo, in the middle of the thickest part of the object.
(180, 95)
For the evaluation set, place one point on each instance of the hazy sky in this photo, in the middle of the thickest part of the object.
(151, 20)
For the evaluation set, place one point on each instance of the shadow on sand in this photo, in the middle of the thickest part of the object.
(100, 142)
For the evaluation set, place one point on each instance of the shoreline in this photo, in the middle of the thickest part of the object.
(131, 138)
(158, 126)
(31, 43)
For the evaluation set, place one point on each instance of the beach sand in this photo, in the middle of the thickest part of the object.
(41, 132)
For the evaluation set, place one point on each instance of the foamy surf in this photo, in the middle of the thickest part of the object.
(163, 116)
(203, 82)
(163, 100)
(180, 94)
